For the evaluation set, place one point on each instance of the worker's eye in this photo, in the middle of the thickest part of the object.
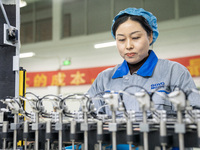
(121, 39)
(135, 38)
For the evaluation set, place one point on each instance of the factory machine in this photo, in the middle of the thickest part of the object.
(88, 129)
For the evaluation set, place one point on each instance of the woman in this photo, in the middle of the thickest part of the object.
(134, 31)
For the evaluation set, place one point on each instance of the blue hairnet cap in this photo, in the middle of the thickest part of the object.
(151, 19)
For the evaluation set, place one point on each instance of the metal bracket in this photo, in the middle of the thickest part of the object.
(144, 127)
(15, 63)
(38, 126)
(15, 126)
(112, 127)
(84, 127)
(10, 38)
(180, 128)
(1, 117)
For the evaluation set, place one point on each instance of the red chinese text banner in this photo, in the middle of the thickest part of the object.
(88, 75)
(192, 63)
(63, 77)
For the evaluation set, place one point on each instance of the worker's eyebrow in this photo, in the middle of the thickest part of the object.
(134, 32)
(130, 33)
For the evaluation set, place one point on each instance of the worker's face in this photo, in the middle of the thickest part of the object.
(132, 41)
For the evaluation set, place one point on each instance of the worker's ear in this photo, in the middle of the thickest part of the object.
(150, 38)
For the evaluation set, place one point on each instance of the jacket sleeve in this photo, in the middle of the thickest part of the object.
(96, 89)
(181, 77)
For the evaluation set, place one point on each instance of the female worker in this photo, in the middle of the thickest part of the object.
(134, 31)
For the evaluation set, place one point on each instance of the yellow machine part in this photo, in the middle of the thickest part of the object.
(22, 83)
(22, 90)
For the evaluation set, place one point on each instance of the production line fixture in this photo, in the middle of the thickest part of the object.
(147, 129)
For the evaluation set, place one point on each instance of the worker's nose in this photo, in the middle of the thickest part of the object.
(129, 45)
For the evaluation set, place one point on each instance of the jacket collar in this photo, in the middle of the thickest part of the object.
(146, 70)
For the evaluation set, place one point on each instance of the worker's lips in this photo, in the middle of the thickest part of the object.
(130, 54)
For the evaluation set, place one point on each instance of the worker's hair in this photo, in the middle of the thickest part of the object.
(140, 19)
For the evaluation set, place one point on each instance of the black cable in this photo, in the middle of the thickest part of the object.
(190, 92)
(88, 103)
(167, 87)
(37, 106)
(101, 93)
(65, 98)
(20, 105)
(122, 101)
(52, 96)
(121, 96)
(45, 116)
(38, 99)
(31, 94)
(27, 114)
(68, 115)
(136, 86)
(40, 102)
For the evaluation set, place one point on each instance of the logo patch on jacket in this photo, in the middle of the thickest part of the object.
(157, 85)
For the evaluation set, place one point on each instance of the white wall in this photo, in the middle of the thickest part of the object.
(177, 39)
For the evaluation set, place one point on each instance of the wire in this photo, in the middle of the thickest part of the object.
(120, 98)
(136, 86)
(40, 103)
(32, 94)
(194, 90)
(167, 87)
(45, 116)
(20, 105)
(52, 96)
(27, 114)
(100, 108)
(71, 96)
(130, 94)
(6, 17)
(65, 98)
(68, 115)
(122, 101)
(101, 93)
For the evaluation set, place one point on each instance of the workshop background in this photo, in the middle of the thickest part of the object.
(67, 31)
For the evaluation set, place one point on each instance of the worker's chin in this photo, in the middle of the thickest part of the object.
(132, 62)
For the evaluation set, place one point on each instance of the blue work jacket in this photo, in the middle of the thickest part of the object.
(154, 73)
